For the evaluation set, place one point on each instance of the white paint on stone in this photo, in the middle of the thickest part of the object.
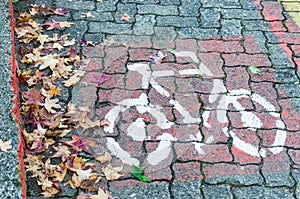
(136, 130)
(188, 119)
(280, 139)
(144, 70)
(117, 151)
(163, 150)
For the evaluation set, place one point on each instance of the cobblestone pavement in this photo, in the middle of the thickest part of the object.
(199, 119)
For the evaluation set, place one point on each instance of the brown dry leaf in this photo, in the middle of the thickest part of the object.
(54, 91)
(104, 158)
(57, 46)
(74, 182)
(48, 61)
(86, 15)
(64, 24)
(125, 17)
(112, 173)
(61, 151)
(101, 195)
(43, 38)
(4, 146)
(74, 79)
(50, 104)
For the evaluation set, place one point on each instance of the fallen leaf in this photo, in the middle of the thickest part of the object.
(81, 144)
(48, 61)
(157, 59)
(84, 174)
(100, 79)
(101, 195)
(50, 104)
(125, 17)
(254, 70)
(86, 15)
(52, 24)
(4, 146)
(137, 171)
(112, 173)
(104, 158)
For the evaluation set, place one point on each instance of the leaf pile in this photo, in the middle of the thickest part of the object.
(47, 63)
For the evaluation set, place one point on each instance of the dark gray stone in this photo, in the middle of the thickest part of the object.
(239, 180)
(78, 30)
(217, 191)
(259, 192)
(210, 18)
(143, 192)
(246, 4)
(177, 21)
(290, 90)
(97, 37)
(286, 75)
(186, 190)
(185, 33)
(169, 2)
(110, 28)
(255, 25)
(296, 175)
(141, 1)
(190, 8)
(98, 16)
(76, 5)
(278, 57)
(107, 5)
(240, 14)
(221, 3)
(164, 33)
(129, 9)
(279, 179)
(144, 25)
(231, 27)
(272, 39)
(157, 9)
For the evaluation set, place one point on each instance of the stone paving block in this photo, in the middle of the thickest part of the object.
(295, 156)
(164, 33)
(255, 25)
(276, 171)
(223, 172)
(240, 14)
(115, 61)
(144, 25)
(189, 189)
(267, 91)
(110, 28)
(98, 16)
(221, 191)
(220, 46)
(272, 11)
(238, 59)
(141, 2)
(138, 190)
(187, 171)
(296, 175)
(169, 2)
(267, 75)
(157, 9)
(209, 153)
(262, 192)
(76, 5)
(237, 78)
(185, 33)
(77, 31)
(221, 3)
(210, 18)
(104, 6)
(129, 9)
(131, 40)
(189, 8)
(231, 27)
(177, 21)
(93, 52)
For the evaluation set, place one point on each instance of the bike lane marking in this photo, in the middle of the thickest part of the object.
(223, 153)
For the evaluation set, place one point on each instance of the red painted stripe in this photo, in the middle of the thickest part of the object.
(15, 111)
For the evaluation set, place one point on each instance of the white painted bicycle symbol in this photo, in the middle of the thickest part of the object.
(136, 130)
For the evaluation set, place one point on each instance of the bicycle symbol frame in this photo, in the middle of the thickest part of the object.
(137, 132)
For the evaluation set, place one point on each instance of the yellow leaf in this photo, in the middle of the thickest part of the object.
(101, 195)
